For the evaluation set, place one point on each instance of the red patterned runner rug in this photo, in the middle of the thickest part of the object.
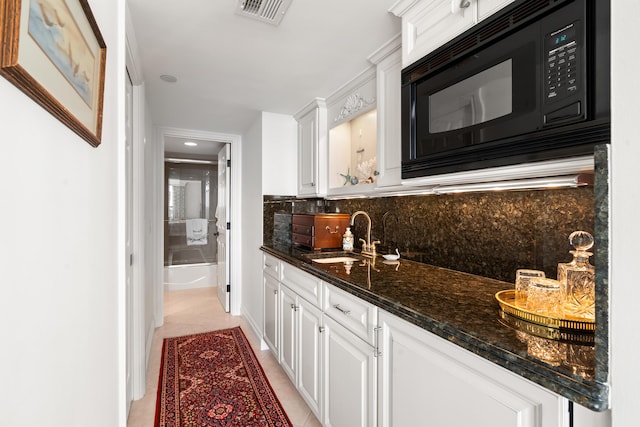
(214, 379)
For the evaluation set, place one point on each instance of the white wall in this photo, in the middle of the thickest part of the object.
(62, 304)
(251, 224)
(279, 154)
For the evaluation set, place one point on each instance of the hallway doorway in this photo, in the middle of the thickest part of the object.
(191, 201)
(203, 152)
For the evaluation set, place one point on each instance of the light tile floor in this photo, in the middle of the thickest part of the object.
(198, 310)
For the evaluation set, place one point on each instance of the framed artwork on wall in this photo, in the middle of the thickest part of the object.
(53, 51)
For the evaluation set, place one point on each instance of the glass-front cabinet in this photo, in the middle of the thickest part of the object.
(349, 143)
(352, 118)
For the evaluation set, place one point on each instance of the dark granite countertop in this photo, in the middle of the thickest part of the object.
(462, 309)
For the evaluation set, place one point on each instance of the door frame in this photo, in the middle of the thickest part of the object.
(139, 352)
(235, 202)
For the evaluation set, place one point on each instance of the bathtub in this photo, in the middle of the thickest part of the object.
(189, 276)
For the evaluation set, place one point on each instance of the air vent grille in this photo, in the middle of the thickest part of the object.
(269, 11)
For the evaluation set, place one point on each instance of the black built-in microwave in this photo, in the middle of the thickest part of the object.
(528, 84)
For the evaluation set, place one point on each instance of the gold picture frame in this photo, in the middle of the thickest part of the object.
(53, 51)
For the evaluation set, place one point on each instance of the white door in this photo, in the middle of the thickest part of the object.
(309, 354)
(349, 369)
(222, 216)
(288, 324)
(129, 238)
(271, 313)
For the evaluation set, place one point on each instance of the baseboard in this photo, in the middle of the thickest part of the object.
(255, 329)
(149, 344)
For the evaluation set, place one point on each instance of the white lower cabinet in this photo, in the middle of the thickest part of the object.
(358, 366)
(349, 378)
(309, 355)
(288, 326)
(271, 314)
(426, 380)
(300, 351)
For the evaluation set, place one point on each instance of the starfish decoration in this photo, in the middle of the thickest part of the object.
(347, 178)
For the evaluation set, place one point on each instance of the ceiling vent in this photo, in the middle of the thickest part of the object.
(269, 11)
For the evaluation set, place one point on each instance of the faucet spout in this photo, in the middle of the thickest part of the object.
(367, 247)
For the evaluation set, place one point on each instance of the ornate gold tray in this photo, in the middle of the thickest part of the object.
(506, 299)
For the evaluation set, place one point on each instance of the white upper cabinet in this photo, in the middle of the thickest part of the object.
(312, 148)
(352, 148)
(388, 60)
(428, 24)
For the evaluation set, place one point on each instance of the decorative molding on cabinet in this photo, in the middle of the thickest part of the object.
(386, 49)
(354, 103)
(401, 7)
(363, 85)
(315, 103)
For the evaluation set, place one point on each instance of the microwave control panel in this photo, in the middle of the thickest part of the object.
(562, 70)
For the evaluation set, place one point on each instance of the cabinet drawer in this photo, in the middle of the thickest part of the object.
(303, 240)
(303, 229)
(272, 266)
(303, 219)
(353, 313)
(304, 284)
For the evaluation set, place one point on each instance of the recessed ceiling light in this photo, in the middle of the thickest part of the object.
(168, 78)
(190, 144)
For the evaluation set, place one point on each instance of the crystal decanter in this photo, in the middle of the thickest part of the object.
(577, 278)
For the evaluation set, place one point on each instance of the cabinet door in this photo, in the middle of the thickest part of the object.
(271, 313)
(307, 157)
(389, 133)
(349, 379)
(430, 24)
(288, 314)
(309, 355)
(422, 375)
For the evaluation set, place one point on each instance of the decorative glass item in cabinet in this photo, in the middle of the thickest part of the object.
(578, 278)
(523, 280)
(545, 297)
(352, 151)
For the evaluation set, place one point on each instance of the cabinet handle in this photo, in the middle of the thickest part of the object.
(464, 4)
(342, 310)
(332, 232)
(275, 292)
(321, 329)
(313, 184)
(294, 307)
(376, 340)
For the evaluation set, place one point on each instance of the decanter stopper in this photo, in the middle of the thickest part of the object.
(581, 241)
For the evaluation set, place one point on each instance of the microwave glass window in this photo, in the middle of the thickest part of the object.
(484, 96)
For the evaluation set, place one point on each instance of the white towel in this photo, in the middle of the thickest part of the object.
(197, 231)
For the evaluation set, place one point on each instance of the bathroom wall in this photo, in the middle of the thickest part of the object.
(491, 234)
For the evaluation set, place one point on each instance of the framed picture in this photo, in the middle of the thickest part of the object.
(53, 51)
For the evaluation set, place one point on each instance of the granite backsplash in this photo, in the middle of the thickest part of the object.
(491, 234)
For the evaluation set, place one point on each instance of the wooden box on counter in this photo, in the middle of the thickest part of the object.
(319, 231)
